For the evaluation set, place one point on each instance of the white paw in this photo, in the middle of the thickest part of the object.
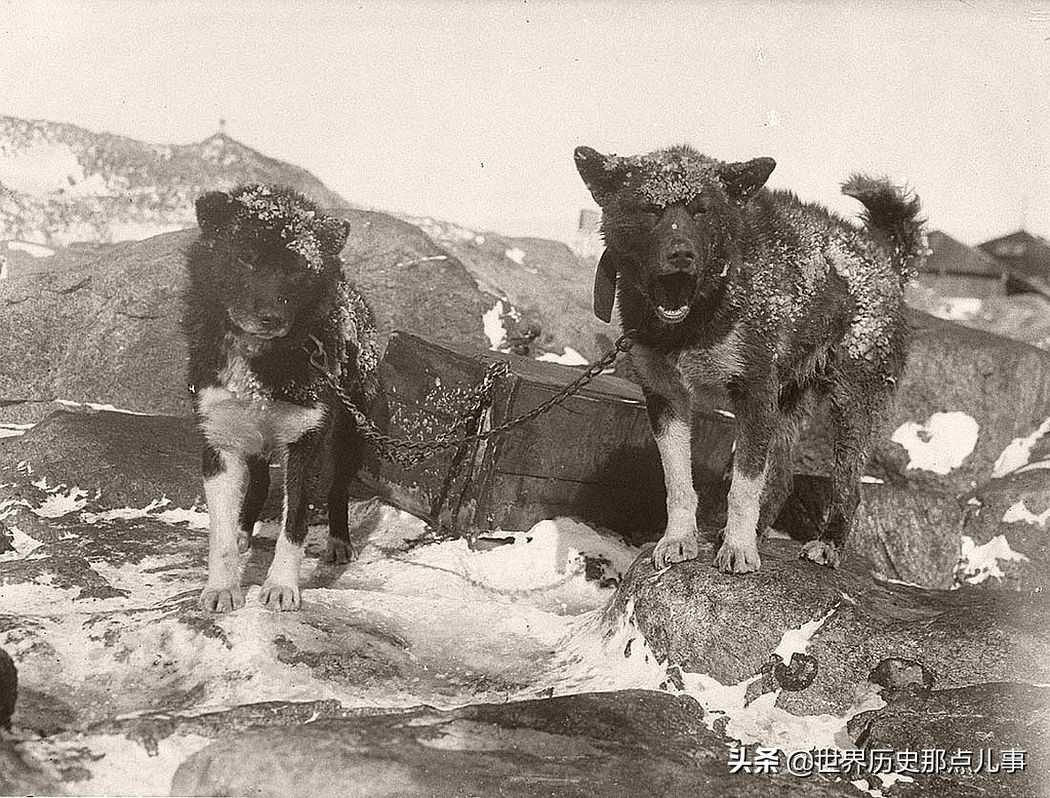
(675, 548)
(221, 599)
(279, 598)
(822, 552)
(735, 557)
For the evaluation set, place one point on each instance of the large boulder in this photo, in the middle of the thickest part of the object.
(108, 332)
(627, 743)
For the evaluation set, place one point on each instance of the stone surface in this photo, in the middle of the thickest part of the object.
(708, 622)
(974, 724)
(1003, 385)
(627, 743)
(1006, 539)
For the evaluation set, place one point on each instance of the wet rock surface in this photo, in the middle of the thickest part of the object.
(708, 622)
(617, 744)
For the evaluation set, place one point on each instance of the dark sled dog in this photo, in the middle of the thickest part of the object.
(728, 283)
(266, 287)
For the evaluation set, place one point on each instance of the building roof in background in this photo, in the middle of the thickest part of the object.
(1026, 257)
(951, 257)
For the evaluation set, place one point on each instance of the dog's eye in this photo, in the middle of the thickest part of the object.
(282, 300)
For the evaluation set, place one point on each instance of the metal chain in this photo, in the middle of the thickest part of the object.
(407, 453)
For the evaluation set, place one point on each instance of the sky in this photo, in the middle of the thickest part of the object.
(469, 111)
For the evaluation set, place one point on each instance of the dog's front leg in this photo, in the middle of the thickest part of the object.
(280, 590)
(756, 417)
(668, 405)
(225, 481)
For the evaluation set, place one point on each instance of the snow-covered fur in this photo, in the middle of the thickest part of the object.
(728, 283)
(265, 287)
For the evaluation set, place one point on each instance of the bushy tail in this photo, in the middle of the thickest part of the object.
(892, 216)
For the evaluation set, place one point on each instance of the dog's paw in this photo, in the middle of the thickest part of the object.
(675, 548)
(338, 552)
(221, 599)
(822, 552)
(279, 598)
(737, 558)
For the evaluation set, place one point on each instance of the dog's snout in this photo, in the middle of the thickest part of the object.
(269, 316)
(681, 255)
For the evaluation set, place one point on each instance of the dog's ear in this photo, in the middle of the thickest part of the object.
(599, 172)
(214, 211)
(745, 178)
(333, 233)
(605, 285)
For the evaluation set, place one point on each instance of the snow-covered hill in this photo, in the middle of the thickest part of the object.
(60, 183)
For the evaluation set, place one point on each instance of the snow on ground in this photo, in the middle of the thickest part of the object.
(48, 168)
(980, 562)
(516, 254)
(569, 357)
(1018, 452)
(13, 430)
(519, 616)
(493, 325)
(97, 406)
(1018, 512)
(940, 444)
(36, 250)
(957, 308)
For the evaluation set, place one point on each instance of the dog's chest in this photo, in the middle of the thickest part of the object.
(711, 365)
(237, 414)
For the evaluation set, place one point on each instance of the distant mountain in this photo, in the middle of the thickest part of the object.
(60, 183)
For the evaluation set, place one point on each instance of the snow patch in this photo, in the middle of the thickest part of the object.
(570, 357)
(13, 430)
(941, 444)
(979, 563)
(97, 406)
(515, 254)
(957, 308)
(36, 250)
(1019, 513)
(493, 324)
(49, 168)
(60, 501)
(194, 518)
(24, 545)
(1018, 452)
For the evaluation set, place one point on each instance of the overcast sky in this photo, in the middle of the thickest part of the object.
(470, 111)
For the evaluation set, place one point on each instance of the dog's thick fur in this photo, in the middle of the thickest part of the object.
(728, 283)
(265, 281)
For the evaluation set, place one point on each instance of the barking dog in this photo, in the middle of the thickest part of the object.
(265, 283)
(728, 283)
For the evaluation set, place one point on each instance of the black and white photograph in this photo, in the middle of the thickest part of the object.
(525, 399)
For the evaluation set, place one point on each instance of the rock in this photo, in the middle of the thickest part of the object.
(625, 743)
(118, 459)
(8, 689)
(707, 622)
(19, 777)
(980, 724)
(907, 534)
(1004, 536)
(966, 395)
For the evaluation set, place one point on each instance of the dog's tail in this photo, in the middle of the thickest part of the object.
(892, 216)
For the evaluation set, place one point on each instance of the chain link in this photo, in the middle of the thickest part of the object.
(407, 453)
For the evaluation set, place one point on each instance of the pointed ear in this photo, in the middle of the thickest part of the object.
(605, 285)
(742, 180)
(598, 172)
(214, 211)
(333, 233)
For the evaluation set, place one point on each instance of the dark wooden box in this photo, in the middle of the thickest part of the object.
(591, 457)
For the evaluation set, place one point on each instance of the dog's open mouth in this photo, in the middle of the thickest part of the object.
(672, 296)
(259, 328)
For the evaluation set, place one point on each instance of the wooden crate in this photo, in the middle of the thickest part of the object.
(591, 458)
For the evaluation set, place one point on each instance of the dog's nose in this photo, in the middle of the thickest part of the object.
(681, 255)
(269, 319)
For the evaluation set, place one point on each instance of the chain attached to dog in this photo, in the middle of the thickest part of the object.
(408, 453)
